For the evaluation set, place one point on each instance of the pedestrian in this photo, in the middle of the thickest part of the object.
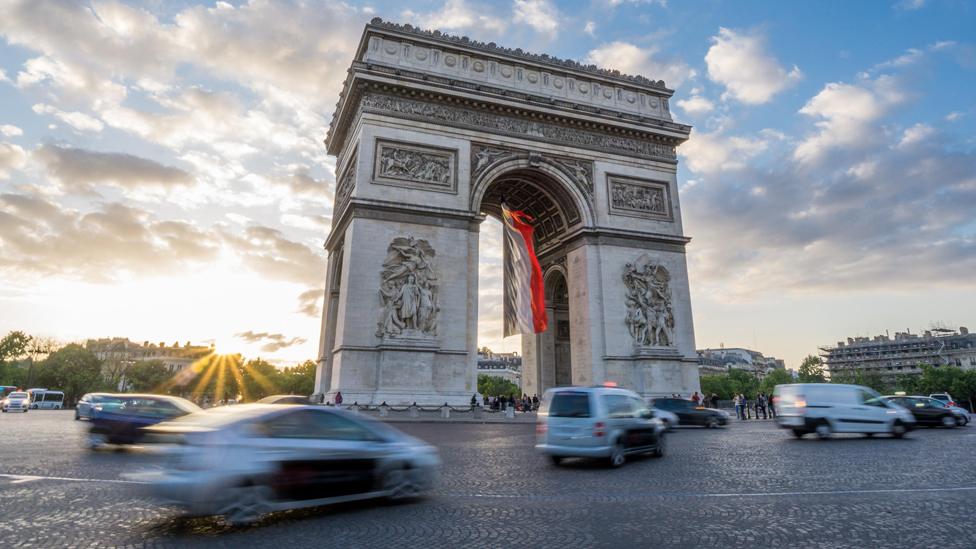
(474, 401)
(715, 400)
(737, 402)
(696, 399)
(772, 407)
(338, 399)
(745, 406)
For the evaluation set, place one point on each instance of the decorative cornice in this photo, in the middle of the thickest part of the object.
(493, 48)
(485, 118)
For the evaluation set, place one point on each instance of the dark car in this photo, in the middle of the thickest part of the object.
(121, 419)
(284, 399)
(929, 411)
(691, 414)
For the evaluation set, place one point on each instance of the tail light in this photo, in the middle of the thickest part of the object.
(800, 402)
(598, 429)
(540, 428)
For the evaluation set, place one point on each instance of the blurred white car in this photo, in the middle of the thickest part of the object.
(17, 401)
(247, 460)
(669, 419)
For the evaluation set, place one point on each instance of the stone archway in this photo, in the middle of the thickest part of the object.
(430, 132)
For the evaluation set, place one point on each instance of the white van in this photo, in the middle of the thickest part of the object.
(44, 399)
(828, 408)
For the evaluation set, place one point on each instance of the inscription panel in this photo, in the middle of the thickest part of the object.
(415, 166)
(639, 198)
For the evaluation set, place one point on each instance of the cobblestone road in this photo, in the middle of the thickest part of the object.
(748, 485)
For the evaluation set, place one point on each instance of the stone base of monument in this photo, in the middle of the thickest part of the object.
(655, 372)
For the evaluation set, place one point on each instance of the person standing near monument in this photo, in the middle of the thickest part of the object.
(338, 399)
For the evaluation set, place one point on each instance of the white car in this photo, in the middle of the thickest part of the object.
(247, 460)
(669, 419)
(828, 408)
(17, 401)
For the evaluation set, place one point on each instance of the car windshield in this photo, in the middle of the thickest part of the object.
(570, 405)
(18, 395)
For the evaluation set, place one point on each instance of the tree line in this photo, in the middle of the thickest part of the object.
(961, 384)
(36, 362)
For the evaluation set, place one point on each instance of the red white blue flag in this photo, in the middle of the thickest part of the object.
(525, 298)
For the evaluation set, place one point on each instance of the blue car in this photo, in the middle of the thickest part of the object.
(121, 419)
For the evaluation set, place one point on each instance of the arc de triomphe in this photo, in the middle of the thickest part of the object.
(430, 132)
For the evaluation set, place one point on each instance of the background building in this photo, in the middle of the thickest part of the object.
(119, 350)
(720, 361)
(504, 365)
(903, 354)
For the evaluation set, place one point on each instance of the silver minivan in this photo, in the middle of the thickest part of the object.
(828, 408)
(597, 422)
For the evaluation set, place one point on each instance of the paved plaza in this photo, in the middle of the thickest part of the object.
(748, 485)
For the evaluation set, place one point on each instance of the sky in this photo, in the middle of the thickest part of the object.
(163, 178)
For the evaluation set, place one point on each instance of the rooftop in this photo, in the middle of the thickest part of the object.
(491, 47)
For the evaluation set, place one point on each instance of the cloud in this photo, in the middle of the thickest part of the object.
(916, 134)
(77, 120)
(910, 5)
(750, 75)
(267, 252)
(708, 153)
(541, 15)
(273, 342)
(890, 217)
(81, 169)
(12, 157)
(456, 15)
(696, 104)
(846, 114)
(300, 182)
(310, 302)
(112, 242)
(9, 130)
(590, 28)
(631, 59)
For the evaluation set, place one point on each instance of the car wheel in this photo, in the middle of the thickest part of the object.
(661, 446)
(246, 504)
(711, 423)
(667, 425)
(96, 441)
(399, 486)
(948, 421)
(898, 429)
(556, 460)
(797, 433)
(617, 457)
(76, 416)
(824, 431)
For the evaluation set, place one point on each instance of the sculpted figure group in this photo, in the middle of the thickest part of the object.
(408, 290)
(650, 318)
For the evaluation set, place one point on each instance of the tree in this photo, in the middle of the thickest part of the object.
(774, 378)
(261, 379)
(299, 380)
(14, 345)
(72, 369)
(497, 386)
(812, 370)
(147, 376)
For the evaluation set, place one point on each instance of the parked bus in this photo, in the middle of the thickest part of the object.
(44, 399)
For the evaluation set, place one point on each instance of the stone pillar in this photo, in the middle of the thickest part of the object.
(586, 319)
(330, 308)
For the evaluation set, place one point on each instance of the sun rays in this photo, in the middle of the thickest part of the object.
(219, 377)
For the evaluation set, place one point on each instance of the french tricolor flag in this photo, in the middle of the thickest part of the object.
(525, 299)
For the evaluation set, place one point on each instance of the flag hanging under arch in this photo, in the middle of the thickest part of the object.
(525, 299)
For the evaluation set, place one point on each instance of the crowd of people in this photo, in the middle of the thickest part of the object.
(524, 404)
(746, 408)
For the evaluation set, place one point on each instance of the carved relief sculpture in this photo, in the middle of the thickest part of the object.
(408, 290)
(650, 317)
(412, 166)
(639, 197)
